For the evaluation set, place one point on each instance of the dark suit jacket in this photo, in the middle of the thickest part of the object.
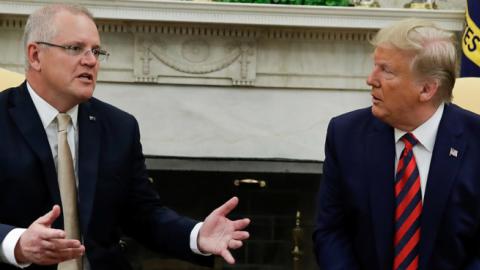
(114, 192)
(355, 216)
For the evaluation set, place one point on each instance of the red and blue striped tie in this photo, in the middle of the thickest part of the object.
(408, 208)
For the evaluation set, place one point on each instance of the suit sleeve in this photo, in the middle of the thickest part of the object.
(473, 265)
(333, 247)
(4, 230)
(474, 262)
(151, 222)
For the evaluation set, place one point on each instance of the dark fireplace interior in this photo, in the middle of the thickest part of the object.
(271, 197)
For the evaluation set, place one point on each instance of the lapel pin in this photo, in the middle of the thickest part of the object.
(93, 118)
(453, 152)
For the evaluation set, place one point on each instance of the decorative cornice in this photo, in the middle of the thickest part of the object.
(247, 14)
(243, 32)
(12, 23)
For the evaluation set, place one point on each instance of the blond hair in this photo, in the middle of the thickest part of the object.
(434, 49)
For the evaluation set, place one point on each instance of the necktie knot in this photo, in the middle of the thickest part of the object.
(409, 140)
(63, 120)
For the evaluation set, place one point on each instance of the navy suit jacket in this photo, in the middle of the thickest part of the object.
(355, 208)
(114, 192)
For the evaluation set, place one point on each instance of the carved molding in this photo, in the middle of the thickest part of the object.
(18, 23)
(15, 23)
(213, 55)
(246, 14)
(251, 45)
(242, 32)
(172, 57)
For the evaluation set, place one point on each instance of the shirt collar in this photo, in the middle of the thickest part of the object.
(47, 112)
(426, 133)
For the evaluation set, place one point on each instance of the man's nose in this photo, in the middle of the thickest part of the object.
(372, 80)
(88, 58)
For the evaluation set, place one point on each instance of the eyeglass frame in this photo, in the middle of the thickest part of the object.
(75, 50)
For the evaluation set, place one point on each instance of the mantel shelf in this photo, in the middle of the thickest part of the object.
(248, 14)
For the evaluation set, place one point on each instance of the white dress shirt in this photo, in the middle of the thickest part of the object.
(426, 135)
(48, 116)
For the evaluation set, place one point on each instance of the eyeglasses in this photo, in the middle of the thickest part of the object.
(75, 50)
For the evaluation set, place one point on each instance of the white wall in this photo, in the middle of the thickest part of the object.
(303, 66)
(203, 121)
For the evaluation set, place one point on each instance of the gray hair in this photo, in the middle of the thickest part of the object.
(40, 26)
(434, 48)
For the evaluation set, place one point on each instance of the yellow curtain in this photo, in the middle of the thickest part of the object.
(466, 93)
(9, 79)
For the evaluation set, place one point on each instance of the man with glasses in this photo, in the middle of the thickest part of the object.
(72, 172)
(76, 50)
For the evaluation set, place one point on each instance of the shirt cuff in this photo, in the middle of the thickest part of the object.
(7, 250)
(194, 238)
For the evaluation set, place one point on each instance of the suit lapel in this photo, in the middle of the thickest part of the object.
(26, 118)
(380, 150)
(443, 169)
(88, 156)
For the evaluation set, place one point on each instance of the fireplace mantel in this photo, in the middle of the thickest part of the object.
(230, 44)
(225, 80)
(247, 14)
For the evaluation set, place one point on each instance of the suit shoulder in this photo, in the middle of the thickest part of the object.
(5, 92)
(469, 120)
(4, 95)
(463, 113)
(107, 110)
(353, 119)
(8, 95)
(110, 117)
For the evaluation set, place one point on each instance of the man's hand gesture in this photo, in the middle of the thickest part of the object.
(219, 234)
(40, 244)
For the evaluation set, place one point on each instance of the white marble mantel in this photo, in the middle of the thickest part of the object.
(229, 80)
(246, 14)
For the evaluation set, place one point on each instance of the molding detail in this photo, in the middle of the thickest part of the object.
(194, 67)
(15, 23)
(228, 44)
(195, 50)
(320, 34)
(246, 14)
(113, 27)
(177, 56)
(18, 23)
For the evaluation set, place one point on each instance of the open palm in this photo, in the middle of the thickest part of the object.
(219, 234)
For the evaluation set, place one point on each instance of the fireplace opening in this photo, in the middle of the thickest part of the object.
(277, 195)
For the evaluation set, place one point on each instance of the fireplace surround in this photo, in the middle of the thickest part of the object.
(284, 188)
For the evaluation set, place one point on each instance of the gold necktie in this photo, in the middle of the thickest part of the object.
(68, 189)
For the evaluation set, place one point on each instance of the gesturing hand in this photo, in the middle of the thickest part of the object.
(40, 244)
(219, 234)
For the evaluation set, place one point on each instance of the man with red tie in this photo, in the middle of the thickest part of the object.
(401, 179)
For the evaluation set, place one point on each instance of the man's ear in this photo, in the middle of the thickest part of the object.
(33, 56)
(429, 90)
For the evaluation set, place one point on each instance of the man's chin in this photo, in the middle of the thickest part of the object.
(85, 94)
(377, 112)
